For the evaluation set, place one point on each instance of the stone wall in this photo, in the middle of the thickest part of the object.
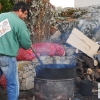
(41, 12)
(86, 19)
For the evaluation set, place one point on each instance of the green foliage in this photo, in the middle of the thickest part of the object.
(6, 5)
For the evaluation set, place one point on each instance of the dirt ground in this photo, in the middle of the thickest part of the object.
(28, 95)
(24, 95)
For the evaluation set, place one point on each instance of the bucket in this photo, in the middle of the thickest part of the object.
(45, 89)
(54, 82)
(55, 71)
(86, 87)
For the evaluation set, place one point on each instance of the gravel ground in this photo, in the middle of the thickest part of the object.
(24, 95)
(28, 95)
(3, 94)
(92, 97)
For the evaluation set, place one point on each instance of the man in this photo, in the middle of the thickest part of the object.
(13, 34)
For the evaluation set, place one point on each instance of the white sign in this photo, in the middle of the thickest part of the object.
(4, 27)
(99, 90)
(83, 43)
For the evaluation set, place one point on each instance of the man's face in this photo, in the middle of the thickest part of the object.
(22, 15)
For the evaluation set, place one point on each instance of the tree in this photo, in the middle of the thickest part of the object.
(6, 5)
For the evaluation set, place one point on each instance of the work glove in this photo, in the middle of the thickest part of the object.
(97, 57)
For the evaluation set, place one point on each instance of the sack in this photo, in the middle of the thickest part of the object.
(25, 55)
(44, 48)
(3, 81)
(49, 49)
(59, 50)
